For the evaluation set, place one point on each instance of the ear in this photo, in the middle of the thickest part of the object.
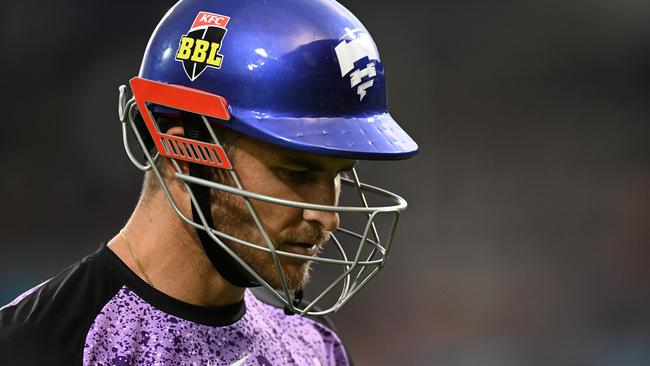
(176, 131)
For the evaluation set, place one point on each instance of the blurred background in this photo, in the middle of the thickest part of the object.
(527, 241)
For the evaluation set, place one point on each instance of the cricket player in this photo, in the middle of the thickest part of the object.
(249, 119)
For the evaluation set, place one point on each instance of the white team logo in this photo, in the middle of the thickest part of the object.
(349, 52)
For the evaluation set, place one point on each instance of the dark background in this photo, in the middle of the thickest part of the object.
(527, 241)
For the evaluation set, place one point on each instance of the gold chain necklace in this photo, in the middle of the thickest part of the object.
(135, 258)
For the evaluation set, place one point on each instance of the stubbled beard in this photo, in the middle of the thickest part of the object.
(231, 216)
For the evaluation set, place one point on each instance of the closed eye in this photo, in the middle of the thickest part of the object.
(295, 175)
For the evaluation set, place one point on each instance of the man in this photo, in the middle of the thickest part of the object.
(251, 116)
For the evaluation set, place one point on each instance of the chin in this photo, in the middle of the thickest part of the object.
(296, 274)
(296, 271)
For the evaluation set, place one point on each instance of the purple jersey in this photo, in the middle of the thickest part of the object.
(98, 312)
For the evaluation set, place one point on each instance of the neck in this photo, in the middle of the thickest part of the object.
(172, 256)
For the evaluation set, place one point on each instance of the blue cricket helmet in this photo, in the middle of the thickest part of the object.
(304, 75)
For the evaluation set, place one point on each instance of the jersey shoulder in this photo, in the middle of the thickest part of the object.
(47, 324)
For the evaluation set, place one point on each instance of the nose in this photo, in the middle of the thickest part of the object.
(328, 220)
(326, 193)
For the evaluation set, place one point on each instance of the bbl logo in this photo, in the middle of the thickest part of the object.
(199, 48)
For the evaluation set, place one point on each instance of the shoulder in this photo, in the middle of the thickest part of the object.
(316, 333)
(50, 318)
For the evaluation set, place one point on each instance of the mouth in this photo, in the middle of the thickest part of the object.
(307, 249)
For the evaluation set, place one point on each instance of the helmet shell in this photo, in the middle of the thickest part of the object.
(300, 74)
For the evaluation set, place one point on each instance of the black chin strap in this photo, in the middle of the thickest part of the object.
(226, 265)
(297, 300)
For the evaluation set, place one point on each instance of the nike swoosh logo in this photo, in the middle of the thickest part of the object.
(237, 363)
(240, 362)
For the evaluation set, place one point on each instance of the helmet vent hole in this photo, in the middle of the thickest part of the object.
(216, 155)
(181, 148)
(198, 152)
(165, 146)
(175, 147)
(188, 151)
(208, 153)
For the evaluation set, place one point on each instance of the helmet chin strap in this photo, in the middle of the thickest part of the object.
(297, 301)
(227, 266)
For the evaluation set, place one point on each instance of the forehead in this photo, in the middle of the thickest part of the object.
(273, 154)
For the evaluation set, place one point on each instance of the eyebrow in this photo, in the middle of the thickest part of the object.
(312, 165)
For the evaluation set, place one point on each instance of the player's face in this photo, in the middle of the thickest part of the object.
(290, 175)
